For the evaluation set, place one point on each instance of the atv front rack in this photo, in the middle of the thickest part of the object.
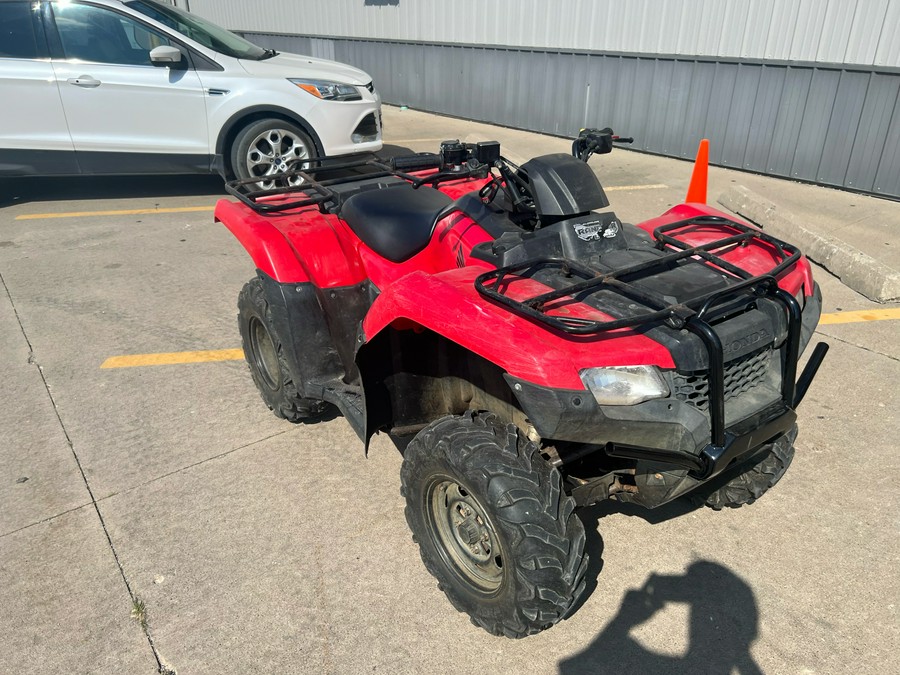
(492, 284)
(692, 314)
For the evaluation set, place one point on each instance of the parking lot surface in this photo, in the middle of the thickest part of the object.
(160, 518)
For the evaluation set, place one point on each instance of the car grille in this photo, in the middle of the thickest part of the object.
(740, 375)
(371, 87)
(366, 131)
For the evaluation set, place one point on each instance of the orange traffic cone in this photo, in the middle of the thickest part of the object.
(697, 189)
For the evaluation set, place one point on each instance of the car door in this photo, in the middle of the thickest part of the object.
(34, 138)
(126, 115)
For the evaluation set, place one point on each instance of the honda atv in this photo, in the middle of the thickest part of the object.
(529, 351)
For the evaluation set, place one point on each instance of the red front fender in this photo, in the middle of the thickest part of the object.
(449, 305)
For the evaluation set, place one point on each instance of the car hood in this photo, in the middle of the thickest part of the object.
(294, 65)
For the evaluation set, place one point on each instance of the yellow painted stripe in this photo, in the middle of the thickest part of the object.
(171, 358)
(861, 315)
(122, 212)
(654, 186)
(207, 356)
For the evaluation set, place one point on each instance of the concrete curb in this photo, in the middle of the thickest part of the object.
(857, 270)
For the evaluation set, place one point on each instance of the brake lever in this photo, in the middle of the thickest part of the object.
(489, 191)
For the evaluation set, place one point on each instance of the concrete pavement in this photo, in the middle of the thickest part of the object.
(259, 546)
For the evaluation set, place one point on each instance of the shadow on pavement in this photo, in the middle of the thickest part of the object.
(723, 625)
(674, 509)
(25, 190)
(591, 517)
(40, 189)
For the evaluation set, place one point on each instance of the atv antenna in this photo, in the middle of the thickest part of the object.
(697, 189)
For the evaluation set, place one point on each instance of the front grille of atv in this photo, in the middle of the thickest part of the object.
(740, 375)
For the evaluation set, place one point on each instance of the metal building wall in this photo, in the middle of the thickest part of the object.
(864, 32)
(805, 89)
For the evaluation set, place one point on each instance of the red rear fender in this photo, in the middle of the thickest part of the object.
(448, 304)
(268, 247)
(294, 248)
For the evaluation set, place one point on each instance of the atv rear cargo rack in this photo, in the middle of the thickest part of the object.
(316, 191)
(691, 314)
(311, 192)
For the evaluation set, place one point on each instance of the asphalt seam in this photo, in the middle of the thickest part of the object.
(144, 627)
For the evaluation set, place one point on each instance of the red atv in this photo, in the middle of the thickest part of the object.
(529, 353)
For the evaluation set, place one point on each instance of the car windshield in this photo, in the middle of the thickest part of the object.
(200, 30)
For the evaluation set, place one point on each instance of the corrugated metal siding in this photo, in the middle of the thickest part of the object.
(806, 89)
(859, 32)
(830, 125)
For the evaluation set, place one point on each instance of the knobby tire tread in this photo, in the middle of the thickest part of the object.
(747, 487)
(287, 403)
(545, 538)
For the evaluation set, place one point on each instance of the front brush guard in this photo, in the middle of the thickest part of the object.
(725, 445)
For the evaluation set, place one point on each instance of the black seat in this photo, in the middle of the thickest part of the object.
(395, 222)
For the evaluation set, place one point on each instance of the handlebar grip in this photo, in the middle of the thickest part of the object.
(419, 162)
(617, 139)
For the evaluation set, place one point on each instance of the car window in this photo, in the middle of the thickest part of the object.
(17, 38)
(97, 34)
(200, 30)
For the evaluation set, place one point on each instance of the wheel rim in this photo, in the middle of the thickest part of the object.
(465, 535)
(274, 152)
(265, 358)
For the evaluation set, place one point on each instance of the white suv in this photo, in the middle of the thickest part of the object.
(138, 86)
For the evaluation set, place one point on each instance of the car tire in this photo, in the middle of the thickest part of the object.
(264, 353)
(493, 524)
(269, 147)
(753, 481)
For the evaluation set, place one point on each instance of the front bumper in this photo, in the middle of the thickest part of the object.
(669, 435)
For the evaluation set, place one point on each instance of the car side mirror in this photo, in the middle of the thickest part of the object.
(165, 55)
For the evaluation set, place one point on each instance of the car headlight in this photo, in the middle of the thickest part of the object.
(330, 91)
(624, 385)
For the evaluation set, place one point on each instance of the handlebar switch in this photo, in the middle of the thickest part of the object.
(453, 154)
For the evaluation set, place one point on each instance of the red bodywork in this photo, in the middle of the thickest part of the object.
(435, 289)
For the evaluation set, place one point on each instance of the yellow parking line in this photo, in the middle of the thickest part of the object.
(207, 356)
(861, 315)
(171, 358)
(122, 212)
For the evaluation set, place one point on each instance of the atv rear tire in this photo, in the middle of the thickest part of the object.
(756, 479)
(493, 524)
(265, 356)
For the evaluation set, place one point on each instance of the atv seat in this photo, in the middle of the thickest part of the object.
(395, 222)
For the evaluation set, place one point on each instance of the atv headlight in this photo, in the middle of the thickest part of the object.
(624, 385)
(800, 296)
(330, 91)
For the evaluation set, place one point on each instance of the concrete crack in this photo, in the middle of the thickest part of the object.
(45, 520)
(160, 666)
(858, 346)
(191, 466)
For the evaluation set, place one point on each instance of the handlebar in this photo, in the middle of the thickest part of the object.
(596, 142)
(419, 162)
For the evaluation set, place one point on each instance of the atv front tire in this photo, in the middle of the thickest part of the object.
(264, 353)
(753, 481)
(493, 525)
